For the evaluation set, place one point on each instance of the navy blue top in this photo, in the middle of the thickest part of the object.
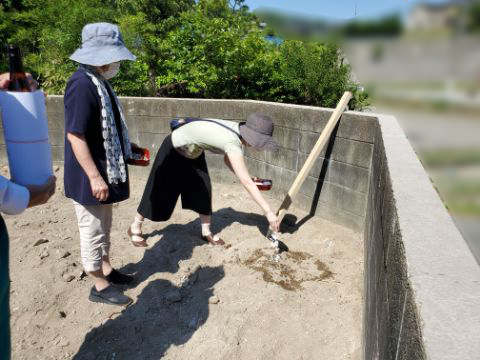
(82, 116)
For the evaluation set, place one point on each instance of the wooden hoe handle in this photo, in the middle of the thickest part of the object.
(322, 140)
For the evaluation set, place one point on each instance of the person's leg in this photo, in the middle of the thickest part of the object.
(113, 276)
(161, 191)
(197, 196)
(92, 238)
(135, 231)
(106, 217)
(93, 223)
(205, 220)
(4, 294)
(207, 233)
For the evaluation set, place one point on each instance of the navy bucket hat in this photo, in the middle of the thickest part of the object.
(102, 44)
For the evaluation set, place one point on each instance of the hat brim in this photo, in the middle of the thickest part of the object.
(257, 140)
(102, 55)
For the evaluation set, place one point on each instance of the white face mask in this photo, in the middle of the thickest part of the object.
(113, 70)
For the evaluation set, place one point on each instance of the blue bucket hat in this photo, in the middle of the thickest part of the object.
(102, 44)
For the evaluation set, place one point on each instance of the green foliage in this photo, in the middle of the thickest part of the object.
(313, 73)
(388, 26)
(186, 48)
(473, 18)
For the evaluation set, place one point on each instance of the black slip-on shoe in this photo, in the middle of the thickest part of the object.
(117, 278)
(110, 295)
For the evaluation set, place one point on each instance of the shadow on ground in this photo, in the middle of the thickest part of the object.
(147, 329)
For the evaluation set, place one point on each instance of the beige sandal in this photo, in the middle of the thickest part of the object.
(136, 243)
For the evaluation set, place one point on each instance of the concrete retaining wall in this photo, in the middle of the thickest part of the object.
(343, 169)
(422, 284)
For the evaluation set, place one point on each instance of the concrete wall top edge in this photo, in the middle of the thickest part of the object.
(365, 114)
(444, 275)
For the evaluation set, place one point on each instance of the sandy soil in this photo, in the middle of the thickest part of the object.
(191, 300)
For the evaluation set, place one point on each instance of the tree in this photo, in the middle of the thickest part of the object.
(212, 49)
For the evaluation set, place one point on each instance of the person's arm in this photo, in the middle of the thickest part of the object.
(84, 158)
(238, 166)
(227, 162)
(15, 198)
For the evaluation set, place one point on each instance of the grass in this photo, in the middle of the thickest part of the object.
(444, 158)
(464, 208)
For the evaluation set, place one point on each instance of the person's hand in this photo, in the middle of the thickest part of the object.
(99, 188)
(5, 79)
(273, 221)
(39, 194)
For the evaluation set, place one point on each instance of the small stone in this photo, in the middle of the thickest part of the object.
(44, 254)
(40, 242)
(328, 242)
(64, 343)
(80, 274)
(62, 314)
(68, 277)
(62, 254)
(173, 296)
(213, 300)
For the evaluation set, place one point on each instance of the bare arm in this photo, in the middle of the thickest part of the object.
(227, 162)
(237, 164)
(84, 157)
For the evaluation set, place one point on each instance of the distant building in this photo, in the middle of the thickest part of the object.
(429, 16)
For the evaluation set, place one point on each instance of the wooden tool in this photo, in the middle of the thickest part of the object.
(322, 140)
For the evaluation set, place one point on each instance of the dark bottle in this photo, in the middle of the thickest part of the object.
(18, 78)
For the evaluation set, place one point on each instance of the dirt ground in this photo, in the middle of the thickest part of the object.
(191, 300)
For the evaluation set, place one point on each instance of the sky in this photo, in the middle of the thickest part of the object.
(335, 8)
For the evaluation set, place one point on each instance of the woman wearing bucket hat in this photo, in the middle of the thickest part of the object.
(96, 150)
(180, 169)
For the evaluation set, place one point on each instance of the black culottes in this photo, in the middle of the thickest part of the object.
(174, 175)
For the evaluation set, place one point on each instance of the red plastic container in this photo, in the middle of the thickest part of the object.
(140, 157)
(262, 184)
